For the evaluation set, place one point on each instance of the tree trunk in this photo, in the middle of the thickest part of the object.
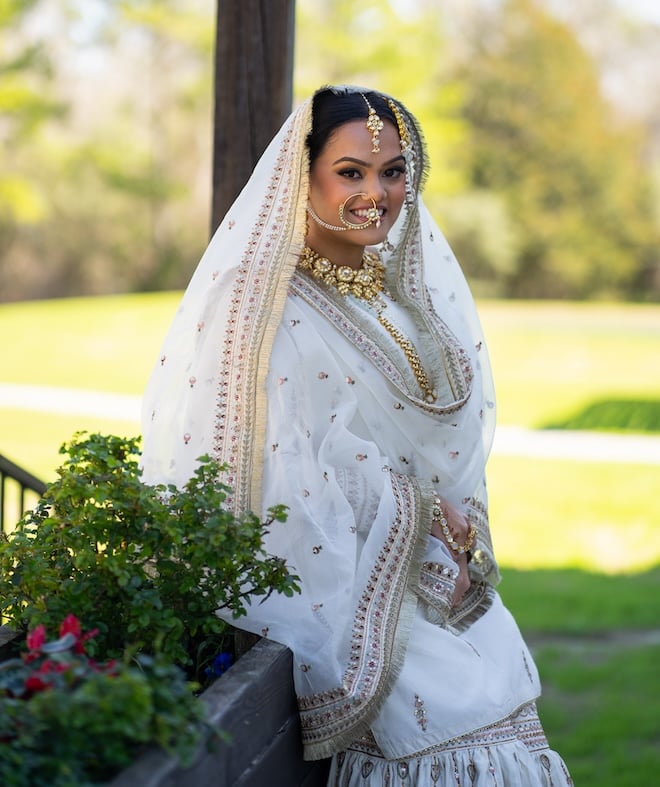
(253, 89)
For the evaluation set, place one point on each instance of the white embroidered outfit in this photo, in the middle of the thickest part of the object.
(311, 403)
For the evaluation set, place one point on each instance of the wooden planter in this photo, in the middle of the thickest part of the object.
(254, 703)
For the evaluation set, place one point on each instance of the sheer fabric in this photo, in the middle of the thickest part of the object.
(312, 404)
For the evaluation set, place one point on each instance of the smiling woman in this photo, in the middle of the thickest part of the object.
(328, 353)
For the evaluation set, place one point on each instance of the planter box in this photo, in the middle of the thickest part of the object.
(254, 703)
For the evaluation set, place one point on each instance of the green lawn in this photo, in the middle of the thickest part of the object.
(107, 344)
(551, 359)
(578, 542)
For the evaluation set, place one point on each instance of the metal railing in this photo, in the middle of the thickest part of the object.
(22, 485)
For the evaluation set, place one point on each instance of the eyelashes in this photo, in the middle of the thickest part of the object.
(354, 174)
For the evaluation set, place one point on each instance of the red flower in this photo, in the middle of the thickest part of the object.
(36, 638)
(70, 625)
(34, 684)
(79, 647)
(49, 665)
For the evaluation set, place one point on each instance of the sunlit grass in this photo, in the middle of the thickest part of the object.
(33, 439)
(107, 343)
(552, 359)
(597, 516)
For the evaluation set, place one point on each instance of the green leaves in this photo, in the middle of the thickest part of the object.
(65, 720)
(143, 564)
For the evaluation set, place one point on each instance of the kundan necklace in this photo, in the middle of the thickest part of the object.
(367, 283)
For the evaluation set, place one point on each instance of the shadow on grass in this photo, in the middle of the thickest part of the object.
(625, 415)
(571, 601)
(599, 668)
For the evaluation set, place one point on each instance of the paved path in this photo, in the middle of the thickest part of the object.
(509, 440)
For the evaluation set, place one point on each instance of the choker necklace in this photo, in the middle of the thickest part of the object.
(366, 283)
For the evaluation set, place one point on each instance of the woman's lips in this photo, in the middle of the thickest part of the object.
(365, 213)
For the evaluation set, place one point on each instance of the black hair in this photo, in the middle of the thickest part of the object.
(332, 107)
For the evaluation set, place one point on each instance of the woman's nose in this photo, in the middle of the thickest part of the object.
(377, 189)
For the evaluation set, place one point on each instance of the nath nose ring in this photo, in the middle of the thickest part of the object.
(373, 214)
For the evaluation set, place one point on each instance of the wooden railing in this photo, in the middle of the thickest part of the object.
(16, 486)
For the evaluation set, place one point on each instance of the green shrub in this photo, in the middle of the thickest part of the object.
(146, 565)
(67, 720)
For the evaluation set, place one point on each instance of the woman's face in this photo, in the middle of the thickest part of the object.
(347, 166)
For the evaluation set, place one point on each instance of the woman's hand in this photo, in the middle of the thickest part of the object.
(459, 528)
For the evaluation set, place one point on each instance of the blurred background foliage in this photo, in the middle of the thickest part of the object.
(542, 120)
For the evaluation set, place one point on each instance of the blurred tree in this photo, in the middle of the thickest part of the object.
(570, 174)
(127, 177)
(150, 146)
(253, 90)
(25, 104)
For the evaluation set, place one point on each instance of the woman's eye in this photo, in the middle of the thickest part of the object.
(394, 172)
(350, 173)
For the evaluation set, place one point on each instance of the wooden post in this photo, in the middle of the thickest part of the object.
(253, 89)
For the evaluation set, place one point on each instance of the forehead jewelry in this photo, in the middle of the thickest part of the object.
(374, 126)
(404, 136)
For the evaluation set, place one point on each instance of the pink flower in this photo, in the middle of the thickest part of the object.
(36, 638)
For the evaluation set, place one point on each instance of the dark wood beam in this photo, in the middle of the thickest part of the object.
(253, 89)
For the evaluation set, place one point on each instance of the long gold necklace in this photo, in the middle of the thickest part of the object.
(367, 283)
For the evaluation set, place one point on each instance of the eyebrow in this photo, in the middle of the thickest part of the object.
(352, 160)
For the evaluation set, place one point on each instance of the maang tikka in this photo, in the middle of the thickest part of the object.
(374, 125)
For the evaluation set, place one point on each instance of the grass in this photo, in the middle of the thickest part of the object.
(581, 603)
(600, 710)
(590, 637)
(616, 415)
(551, 360)
(107, 343)
(595, 516)
(583, 537)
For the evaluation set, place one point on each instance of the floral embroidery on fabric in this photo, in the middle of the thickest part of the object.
(420, 712)
(247, 320)
(436, 588)
(348, 318)
(339, 711)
